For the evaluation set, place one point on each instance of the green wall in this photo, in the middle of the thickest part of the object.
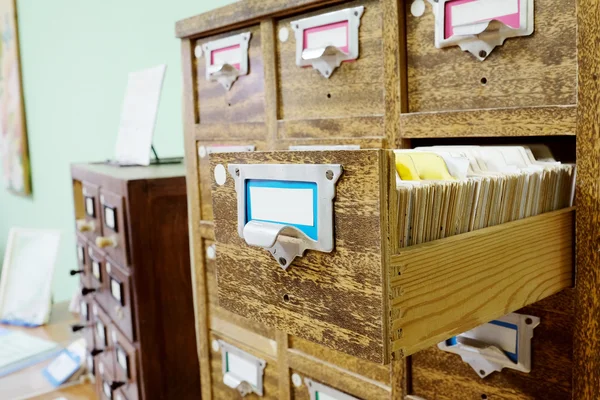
(75, 57)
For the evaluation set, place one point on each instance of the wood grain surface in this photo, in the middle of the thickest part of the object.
(321, 287)
(506, 122)
(221, 391)
(243, 13)
(537, 70)
(440, 375)
(449, 286)
(354, 89)
(245, 101)
(587, 332)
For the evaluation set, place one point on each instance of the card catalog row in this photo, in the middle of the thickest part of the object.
(449, 190)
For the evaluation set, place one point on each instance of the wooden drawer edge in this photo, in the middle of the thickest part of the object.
(443, 288)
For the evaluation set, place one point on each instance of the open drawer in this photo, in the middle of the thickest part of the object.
(346, 284)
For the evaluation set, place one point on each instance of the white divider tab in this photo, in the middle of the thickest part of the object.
(241, 371)
(502, 343)
(286, 208)
(227, 59)
(318, 391)
(478, 26)
(325, 41)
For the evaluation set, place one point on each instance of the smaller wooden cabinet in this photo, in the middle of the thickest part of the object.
(136, 291)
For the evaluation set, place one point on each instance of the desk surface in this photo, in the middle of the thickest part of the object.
(29, 383)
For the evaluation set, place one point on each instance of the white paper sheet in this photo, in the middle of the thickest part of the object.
(138, 116)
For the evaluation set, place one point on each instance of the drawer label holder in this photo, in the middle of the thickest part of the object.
(227, 59)
(242, 371)
(286, 208)
(501, 343)
(325, 41)
(318, 391)
(478, 26)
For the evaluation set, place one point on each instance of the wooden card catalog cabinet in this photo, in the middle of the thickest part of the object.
(137, 292)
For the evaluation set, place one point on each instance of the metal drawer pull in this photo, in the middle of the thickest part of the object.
(502, 343)
(241, 371)
(286, 208)
(85, 226)
(227, 59)
(325, 41)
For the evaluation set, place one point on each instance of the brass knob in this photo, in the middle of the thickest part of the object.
(84, 225)
(104, 242)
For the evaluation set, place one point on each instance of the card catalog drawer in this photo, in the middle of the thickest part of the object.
(106, 385)
(331, 66)
(102, 340)
(205, 149)
(436, 372)
(443, 79)
(114, 239)
(82, 264)
(230, 83)
(95, 261)
(126, 364)
(90, 223)
(115, 297)
(338, 387)
(86, 318)
(306, 243)
(240, 370)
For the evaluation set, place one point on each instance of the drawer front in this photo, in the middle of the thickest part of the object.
(243, 104)
(225, 385)
(102, 340)
(114, 238)
(333, 385)
(358, 366)
(82, 263)
(350, 102)
(451, 79)
(86, 318)
(438, 374)
(126, 364)
(204, 149)
(91, 223)
(115, 297)
(312, 297)
(95, 261)
(105, 380)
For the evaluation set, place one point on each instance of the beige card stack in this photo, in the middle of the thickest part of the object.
(489, 186)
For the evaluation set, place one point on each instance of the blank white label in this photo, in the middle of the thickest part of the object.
(291, 206)
(84, 310)
(101, 332)
(109, 217)
(337, 37)
(499, 336)
(115, 289)
(122, 359)
(325, 396)
(482, 10)
(89, 206)
(243, 369)
(229, 56)
(80, 254)
(96, 270)
(106, 389)
(90, 364)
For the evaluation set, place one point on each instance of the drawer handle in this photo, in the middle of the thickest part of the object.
(239, 367)
(478, 29)
(85, 291)
(79, 327)
(502, 343)
(85, 226)
(227, 59)
(326, 40)
(104, 242)
(286, 208)
(76, 271)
